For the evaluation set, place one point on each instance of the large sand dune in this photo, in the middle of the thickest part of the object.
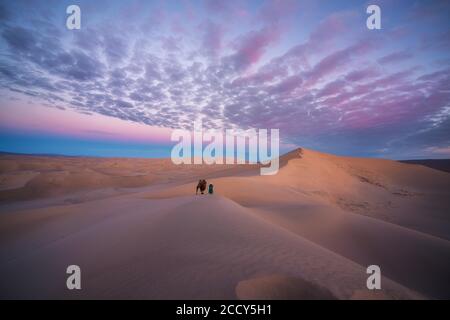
(137, 229)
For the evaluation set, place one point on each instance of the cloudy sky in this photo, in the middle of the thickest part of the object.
(312, 69)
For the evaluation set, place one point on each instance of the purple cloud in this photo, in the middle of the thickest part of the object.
(396, 57)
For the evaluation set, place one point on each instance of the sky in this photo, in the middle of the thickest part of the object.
(136, 70)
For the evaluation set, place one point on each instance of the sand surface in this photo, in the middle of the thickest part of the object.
(137, 229)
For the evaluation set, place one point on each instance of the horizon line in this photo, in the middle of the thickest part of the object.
(2, 153)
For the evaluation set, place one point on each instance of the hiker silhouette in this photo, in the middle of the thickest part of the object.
(201, 186)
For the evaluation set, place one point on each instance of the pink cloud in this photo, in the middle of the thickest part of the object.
(253, 45)
(338, 60)
(276, 11)
(395, 57)
(287, 85)
(361, 74)
(212, 38)
(332, 88)
(329, 30)
(438, 150)
(261, 77)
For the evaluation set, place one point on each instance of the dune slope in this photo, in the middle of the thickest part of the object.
(166, 253)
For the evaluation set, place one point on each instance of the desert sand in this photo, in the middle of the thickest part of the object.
(138, 231)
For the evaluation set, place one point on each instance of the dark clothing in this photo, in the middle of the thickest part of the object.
(201, 185)
(211, 189)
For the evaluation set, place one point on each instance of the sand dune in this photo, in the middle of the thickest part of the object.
(33, 177)
(167, 252)
(415, 197)
(308, 232)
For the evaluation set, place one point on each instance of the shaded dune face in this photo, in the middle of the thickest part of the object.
(197, 247)
(308, 232)
(279, 287)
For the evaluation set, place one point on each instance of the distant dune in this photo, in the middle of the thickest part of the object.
(438, 164)
(32, 177)
(137, 229)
